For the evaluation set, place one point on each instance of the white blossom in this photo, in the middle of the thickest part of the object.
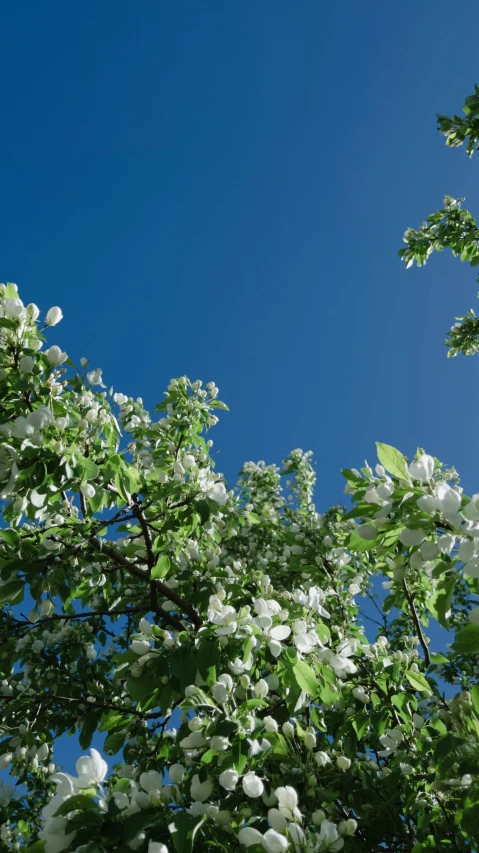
(54, 315)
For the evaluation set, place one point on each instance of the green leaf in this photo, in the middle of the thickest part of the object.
(239, 755)
(208, 659)
(418, 681)
(183, 665)
(203, 508)
(10, 292)
(359, 543)
(89, 469)
(475, 698)
(328, 693)
(467, 640)
(90, 723)
(79, 801)
(306, 678)
(161, 569)
(114, 742)
(181, 829)
(392, 460)
(439, 603)
(36, 847)
(135, 823)
(11, 593)
(470, 820)
(438, 658)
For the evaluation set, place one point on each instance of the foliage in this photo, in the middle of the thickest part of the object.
(217, 638)
(452, 227)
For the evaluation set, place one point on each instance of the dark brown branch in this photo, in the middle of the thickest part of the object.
(57, 617)
(97, 704)
(417, 624)
(143, 574)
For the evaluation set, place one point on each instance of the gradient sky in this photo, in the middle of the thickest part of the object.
(220, 189)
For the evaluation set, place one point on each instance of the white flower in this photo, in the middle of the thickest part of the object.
(428, 503)
(448, 498)
(360, 694)
(87, 490)
(140, 647)
(54, 315)
(40, 418)
(270, 725)
(471, 511)
(287, 802)
(409, 538)
(261, 688)
(193, 741)
(329, 838)
(474, 616)
(277, 634)
(176, 773)
(121, 800)
(91, 770)
(55, 355)
(5, 760)
(390, 741)
(252, 785)
(309, 738)
(343, 763)
(219, 692)
(304, 640)
(218, 493)
(189, 461)
(273, 842)
(26, 363)
(95, 377)
(228, 779)
(422, 468)
(43, 752)
(13, 308)
(219, 743)
(318, 816)
(277, 820)
(200, 791)
(367, 531)
(151, 781)
(22, 428)
(157, 847)
(446, 543)
(145, 627)
(32, 311)
(249, 836)
(429, 550)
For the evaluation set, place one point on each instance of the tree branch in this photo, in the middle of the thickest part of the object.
(417, 624)
(143, 574)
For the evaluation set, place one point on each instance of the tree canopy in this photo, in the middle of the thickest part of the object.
(255, 687)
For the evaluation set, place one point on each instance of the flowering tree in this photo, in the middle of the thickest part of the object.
(216, 638)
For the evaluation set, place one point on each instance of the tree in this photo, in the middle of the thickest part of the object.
(216, 639)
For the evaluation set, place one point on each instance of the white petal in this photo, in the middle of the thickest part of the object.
(280, 632)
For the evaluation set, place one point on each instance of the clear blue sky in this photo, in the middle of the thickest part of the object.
(220, 189)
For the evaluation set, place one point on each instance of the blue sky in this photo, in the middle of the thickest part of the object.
(220, 189)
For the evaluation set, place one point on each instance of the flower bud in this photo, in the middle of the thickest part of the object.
(54, 315)
(26, 363)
